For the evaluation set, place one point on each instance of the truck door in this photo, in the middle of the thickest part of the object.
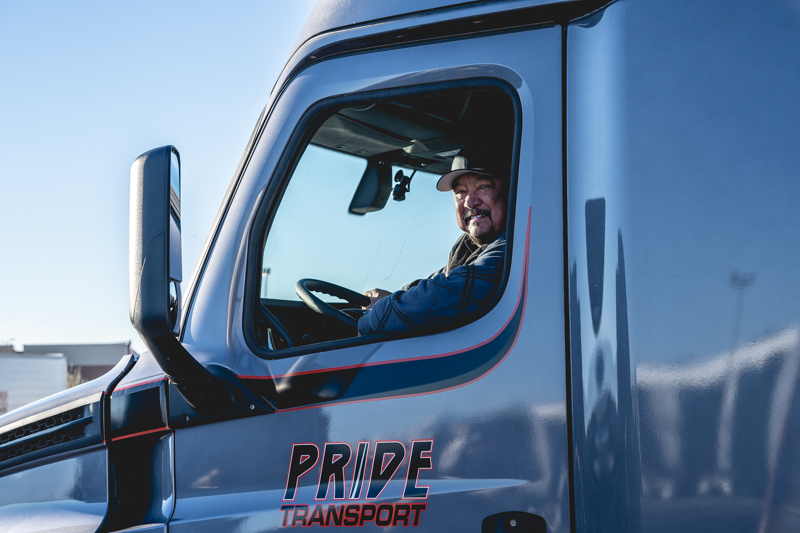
(455, 426)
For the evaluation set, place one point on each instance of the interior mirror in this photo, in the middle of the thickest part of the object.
(373, 190)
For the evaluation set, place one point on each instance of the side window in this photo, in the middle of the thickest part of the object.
(366, 207)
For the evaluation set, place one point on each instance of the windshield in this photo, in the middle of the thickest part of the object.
(314, 236)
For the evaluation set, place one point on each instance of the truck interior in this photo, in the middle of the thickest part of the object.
(369, 172)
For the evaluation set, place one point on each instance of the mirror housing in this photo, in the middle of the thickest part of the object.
(155, 242)
(155, 276)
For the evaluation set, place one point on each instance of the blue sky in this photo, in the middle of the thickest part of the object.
(85, 87)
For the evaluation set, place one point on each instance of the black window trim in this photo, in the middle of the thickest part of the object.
(314, 116)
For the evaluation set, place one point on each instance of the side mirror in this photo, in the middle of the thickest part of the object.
(155, 276)
(155, 242)
(373, 190)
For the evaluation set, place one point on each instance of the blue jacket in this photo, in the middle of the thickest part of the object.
(447, 298)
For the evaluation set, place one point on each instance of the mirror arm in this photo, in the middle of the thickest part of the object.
(203, 391)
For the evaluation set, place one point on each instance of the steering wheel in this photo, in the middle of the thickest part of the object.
(305, 286)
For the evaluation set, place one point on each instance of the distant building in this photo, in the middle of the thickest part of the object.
(85, 362)
(27, 378)
(44, 369)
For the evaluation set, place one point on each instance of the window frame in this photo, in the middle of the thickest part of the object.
(279, 180)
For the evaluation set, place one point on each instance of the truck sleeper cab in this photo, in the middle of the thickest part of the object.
(635, 370)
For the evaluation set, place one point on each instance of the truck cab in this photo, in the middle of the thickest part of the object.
(633, 368)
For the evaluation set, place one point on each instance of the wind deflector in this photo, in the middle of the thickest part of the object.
(373, 190)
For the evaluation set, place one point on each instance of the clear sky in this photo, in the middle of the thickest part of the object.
(85, 87)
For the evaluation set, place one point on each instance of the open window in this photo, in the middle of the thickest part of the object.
(359, 208)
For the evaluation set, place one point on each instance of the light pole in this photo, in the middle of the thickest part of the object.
(264, 278)
(740, 282)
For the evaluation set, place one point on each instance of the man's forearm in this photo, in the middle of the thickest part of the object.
(436, 303)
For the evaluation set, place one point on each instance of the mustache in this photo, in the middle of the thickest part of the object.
(469, 213)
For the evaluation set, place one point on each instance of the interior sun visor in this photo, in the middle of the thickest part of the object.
(373, 190)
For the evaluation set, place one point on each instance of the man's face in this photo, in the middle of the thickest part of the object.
(480, 206)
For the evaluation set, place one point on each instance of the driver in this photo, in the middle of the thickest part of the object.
(452, 295)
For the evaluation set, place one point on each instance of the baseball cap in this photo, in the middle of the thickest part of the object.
(473, 159)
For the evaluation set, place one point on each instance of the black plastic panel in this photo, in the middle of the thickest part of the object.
(137, 410)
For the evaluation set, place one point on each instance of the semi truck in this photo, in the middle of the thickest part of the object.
(635, 370)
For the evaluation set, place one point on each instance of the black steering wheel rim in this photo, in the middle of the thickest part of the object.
(304, 287)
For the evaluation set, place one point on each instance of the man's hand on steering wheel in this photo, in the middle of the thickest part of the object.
(374, 295)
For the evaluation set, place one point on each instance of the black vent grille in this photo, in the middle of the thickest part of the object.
(50, 433)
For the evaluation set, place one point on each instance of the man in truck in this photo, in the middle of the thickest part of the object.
(452, 295)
